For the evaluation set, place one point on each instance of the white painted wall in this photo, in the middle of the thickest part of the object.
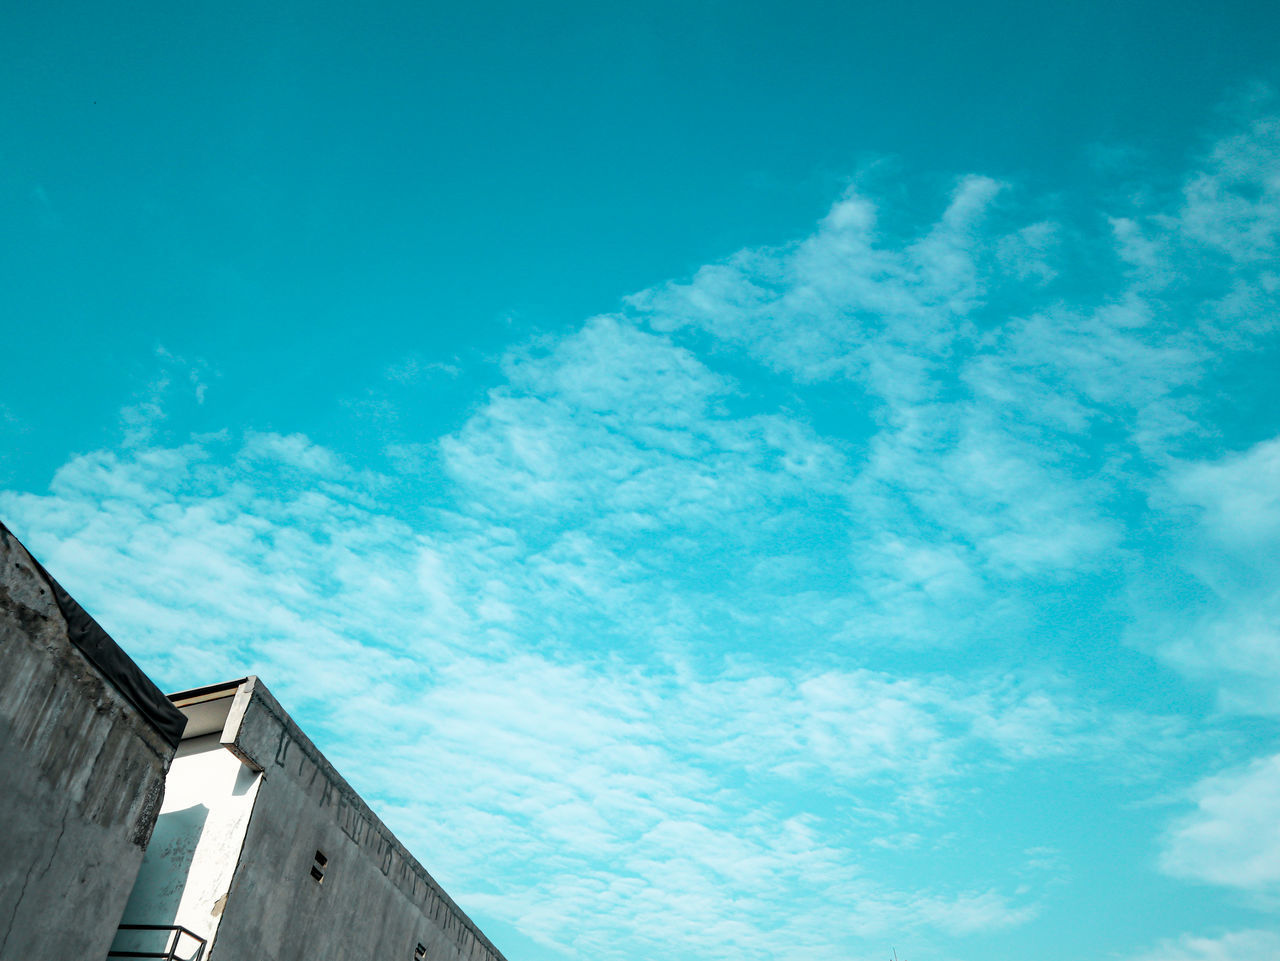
(187, 871)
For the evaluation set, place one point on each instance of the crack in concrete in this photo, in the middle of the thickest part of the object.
(22, 893)
(62, 829)
(16, 905)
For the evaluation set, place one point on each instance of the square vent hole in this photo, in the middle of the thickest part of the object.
(317, 867)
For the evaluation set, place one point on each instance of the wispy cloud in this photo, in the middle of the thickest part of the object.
(1250, 945)
(175, 379)
(1232, 512)
(730, 610)
(604, 793)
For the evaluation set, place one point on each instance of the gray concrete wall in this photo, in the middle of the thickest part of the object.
(376, 901)
(81, 780)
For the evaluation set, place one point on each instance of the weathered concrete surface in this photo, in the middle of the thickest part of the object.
(81, 780)
(375, 902)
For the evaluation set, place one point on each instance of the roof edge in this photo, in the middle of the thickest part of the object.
(109, 658)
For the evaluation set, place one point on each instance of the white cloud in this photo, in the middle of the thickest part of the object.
(840, 303)
(1239, 495)
(293, 450)
(967, 460)
(1233, 836)
(1233, 946)
(624, 423)
(1231, 638)
(1233, 204)
(1028, 252)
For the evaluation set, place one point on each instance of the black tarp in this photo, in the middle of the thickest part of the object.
(112, 663)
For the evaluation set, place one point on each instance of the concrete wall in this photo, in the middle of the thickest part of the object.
(81, 780)
(375, 902)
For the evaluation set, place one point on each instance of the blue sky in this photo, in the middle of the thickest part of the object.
(729, 482)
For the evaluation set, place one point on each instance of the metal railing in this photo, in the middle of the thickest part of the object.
(171, 943)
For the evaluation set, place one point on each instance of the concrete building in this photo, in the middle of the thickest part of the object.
(85, 741)
(259, 850)
(266, 853)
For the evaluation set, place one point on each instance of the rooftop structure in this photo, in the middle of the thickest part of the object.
(265, 852)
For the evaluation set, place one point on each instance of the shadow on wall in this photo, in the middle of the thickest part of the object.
(245, 779)
(163, 877)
